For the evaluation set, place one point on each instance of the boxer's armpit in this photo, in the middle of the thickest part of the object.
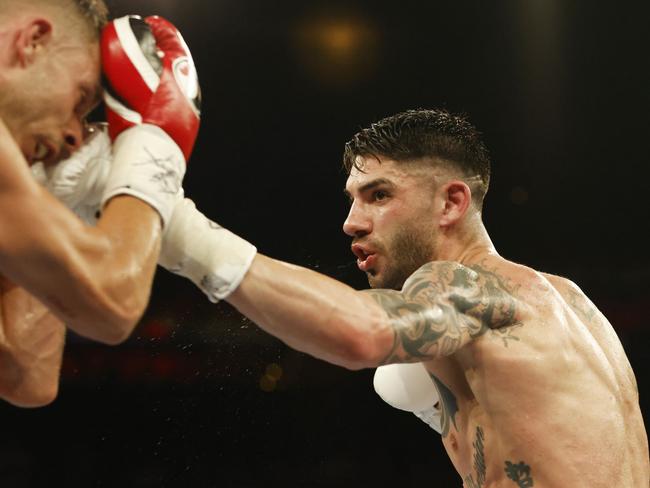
(442, 307)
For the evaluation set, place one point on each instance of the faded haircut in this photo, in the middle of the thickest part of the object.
(88, 16)
(435, 136)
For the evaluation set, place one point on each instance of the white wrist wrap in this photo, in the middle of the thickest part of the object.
(212, 257)
(409, 387)
(148, 165)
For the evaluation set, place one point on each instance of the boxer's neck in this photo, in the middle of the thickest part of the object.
(466, 245)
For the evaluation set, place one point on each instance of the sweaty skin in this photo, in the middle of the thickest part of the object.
(54, 269)
(543, 394)
(534, 384)
(31, 348)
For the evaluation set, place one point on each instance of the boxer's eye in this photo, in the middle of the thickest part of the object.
(379, 195)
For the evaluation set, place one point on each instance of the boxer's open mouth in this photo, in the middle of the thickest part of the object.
(365, 257)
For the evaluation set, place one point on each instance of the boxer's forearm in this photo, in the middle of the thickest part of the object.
(96, 279)
(31, 349)
(438, 311)
(134, 232)
(314, 313)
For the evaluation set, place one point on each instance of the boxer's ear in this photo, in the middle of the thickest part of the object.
(30, 40)
(457, 199)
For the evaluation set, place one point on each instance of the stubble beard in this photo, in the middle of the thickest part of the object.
(409, 249)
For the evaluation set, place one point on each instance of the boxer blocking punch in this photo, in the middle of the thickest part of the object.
(518, 371)
(56, 271)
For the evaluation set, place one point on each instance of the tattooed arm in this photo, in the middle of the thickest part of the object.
(441, 307)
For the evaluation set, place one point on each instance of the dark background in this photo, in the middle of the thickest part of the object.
(200, 397)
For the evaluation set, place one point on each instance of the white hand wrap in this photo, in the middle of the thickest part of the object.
(212, 257)
(409, 387)
(148, 165)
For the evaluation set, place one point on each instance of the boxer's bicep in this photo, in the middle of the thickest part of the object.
(441, 308)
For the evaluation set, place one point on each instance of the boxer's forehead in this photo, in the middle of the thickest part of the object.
(371, 171)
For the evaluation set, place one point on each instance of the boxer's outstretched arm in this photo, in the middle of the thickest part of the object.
(96, 280)
(441, 307)
(31, 348)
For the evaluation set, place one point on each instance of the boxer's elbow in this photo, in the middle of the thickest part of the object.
(367, 347)
(108, 318)
(114, 329)
(112, 324)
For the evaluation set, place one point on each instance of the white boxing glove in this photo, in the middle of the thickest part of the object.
(212, 257)
(409, 387)
(79, 181)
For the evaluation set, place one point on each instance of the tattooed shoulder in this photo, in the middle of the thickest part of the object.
(443, 306)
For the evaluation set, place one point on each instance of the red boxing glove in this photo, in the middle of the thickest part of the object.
(150, 78)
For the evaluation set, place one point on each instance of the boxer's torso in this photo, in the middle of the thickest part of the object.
(31, 342)
(549, 400)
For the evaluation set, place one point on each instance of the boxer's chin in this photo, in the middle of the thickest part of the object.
(389, 279)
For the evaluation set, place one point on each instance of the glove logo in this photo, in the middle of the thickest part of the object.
(187, 80)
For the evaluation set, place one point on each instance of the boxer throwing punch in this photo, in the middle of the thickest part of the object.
(518, 371)
(56, 270)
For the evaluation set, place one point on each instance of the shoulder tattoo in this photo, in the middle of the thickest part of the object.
(443, 306)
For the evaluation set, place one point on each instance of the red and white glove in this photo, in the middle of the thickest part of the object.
(152, 105)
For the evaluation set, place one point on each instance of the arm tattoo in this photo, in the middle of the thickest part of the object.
(479, 461)
(519, 473)
(443, 306)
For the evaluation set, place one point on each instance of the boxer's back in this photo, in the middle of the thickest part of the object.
(553, 391)
(632, 439)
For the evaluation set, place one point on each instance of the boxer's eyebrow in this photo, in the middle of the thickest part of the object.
(370, 186)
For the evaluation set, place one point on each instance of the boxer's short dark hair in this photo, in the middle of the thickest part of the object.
(416, 135)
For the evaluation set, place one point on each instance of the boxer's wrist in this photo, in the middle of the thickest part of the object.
(148, 165)
(213, 258)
